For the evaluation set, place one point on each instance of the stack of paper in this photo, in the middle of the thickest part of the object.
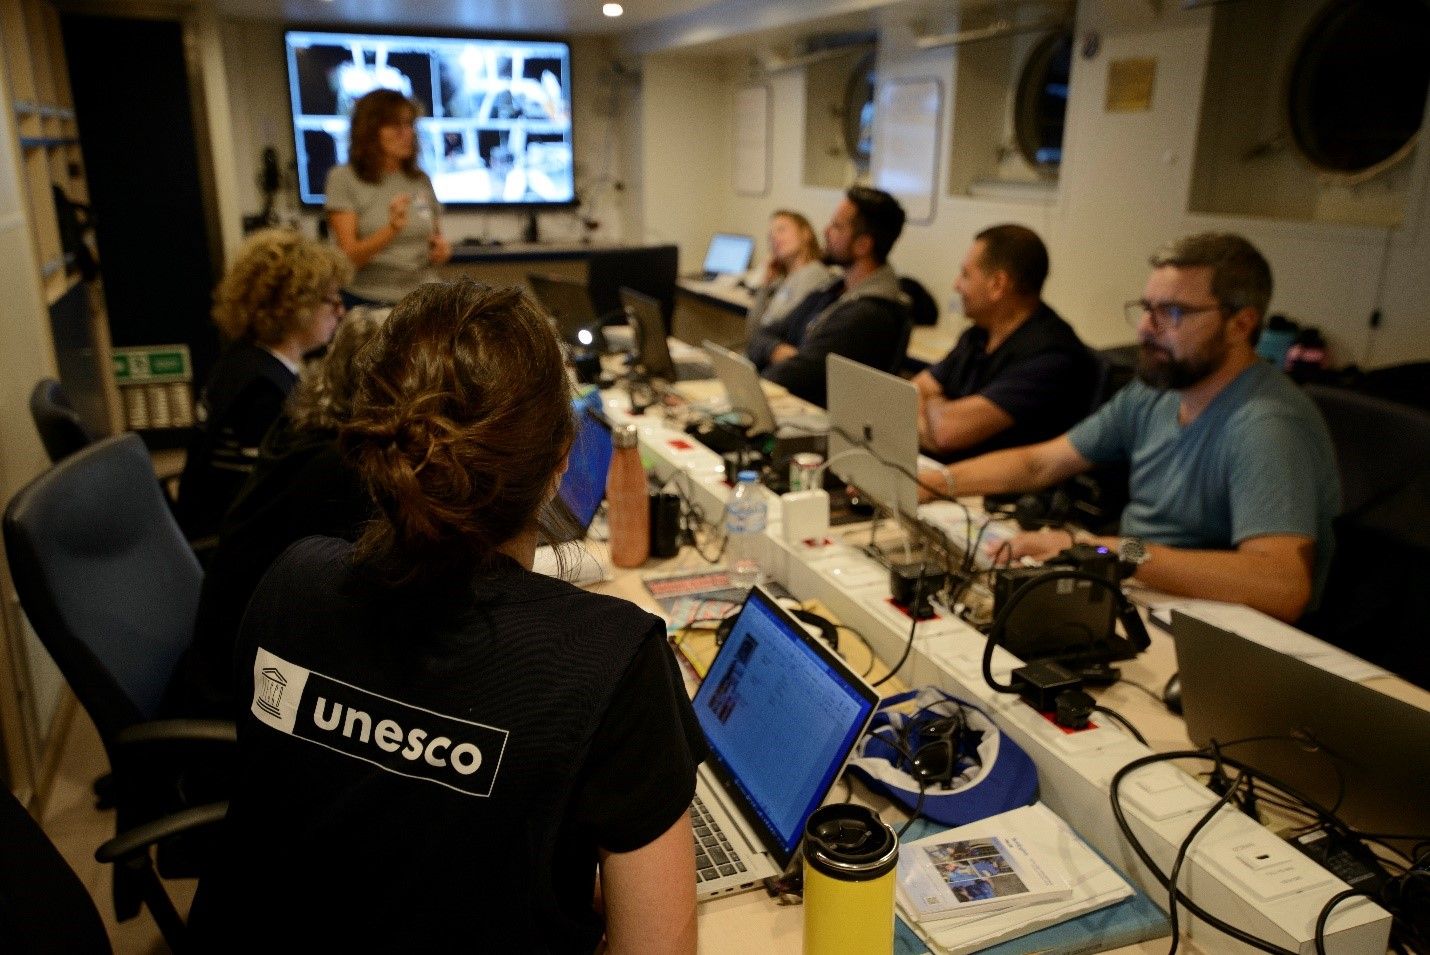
(1093, 884)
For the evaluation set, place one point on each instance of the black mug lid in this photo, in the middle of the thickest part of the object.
(851, 842)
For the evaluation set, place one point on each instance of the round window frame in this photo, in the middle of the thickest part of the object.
(861, 75)
(1027, 94)
(1293, 125)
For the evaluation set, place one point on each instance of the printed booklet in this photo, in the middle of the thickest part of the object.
(944, 877)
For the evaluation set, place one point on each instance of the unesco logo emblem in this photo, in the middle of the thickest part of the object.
(270, 691)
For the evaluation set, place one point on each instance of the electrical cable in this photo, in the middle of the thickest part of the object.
(913, 625)
(1000, 623)
(1126, 723)
(1119, 814)
(1181, 858)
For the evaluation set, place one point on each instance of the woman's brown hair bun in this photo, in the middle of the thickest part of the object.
(459, 427)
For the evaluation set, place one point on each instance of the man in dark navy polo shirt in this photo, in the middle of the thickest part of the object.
(1020, 374)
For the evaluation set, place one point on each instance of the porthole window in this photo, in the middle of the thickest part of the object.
(1357, 85)
(1040, 110)
(859, 113)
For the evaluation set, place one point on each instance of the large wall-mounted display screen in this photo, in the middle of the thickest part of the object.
(495, 128)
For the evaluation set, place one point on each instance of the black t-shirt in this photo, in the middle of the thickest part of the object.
(424, 774)
(242, 398)
(1042, 375)
(301, 487)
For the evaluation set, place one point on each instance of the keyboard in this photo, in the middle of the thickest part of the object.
(714, 856)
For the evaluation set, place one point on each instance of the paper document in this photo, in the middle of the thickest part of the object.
(1260, 628)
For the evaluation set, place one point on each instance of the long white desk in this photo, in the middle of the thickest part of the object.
(1075, 770)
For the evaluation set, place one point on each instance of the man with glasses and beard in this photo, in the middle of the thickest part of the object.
(1233, 476)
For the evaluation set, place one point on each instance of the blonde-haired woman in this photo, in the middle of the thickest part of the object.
(382, 210)
(795, 269)
(278, 301)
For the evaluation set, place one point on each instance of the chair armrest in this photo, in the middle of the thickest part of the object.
(140, 838)
(177, 731)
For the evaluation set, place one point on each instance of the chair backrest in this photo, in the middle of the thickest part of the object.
(1380, 445)
(44, 907)
(106, 578)
(921, 304)
(61, 430)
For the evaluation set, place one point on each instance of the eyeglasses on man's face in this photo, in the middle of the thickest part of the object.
(1165, 314)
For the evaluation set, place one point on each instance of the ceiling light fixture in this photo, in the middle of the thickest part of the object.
(612, 9)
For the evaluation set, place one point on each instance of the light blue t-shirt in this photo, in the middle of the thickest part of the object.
(1257, 461)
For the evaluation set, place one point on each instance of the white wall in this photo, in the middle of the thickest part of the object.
(1123, 190)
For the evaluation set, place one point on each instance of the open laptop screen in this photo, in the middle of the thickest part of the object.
(583, 486)
(781, 714)
(728, 254)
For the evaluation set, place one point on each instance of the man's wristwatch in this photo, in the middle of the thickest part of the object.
(1131, 554)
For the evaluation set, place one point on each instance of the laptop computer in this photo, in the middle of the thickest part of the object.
(1234, 688)
(781, 714)
(877, 413)
(728, 254)
(578, 499)
(747, 396)
(655, 354)
(569, 302)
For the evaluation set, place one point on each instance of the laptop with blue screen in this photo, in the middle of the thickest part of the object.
(781, 713)
(583, 486)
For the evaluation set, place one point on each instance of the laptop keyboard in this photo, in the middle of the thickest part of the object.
(714, 857)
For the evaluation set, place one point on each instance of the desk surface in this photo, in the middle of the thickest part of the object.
(751, 921)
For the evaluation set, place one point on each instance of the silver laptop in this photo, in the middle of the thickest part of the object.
(873, 422)
(747, 396)
(728, 254)
(653, 349)
(781, 713)
(1308, 727)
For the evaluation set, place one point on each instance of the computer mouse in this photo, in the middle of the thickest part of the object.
(1172, 693)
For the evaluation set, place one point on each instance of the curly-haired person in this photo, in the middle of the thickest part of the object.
(441, 749)
(278, 301)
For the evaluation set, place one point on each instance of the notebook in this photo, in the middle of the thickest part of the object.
(727, 254)
(781, 713)
(742, 386)
(656, 355)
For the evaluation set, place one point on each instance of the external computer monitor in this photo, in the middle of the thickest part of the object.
(495, 123)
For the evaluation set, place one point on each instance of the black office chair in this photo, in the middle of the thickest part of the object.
(922, 305)
(111, 588)
(1375, 594)
(61, 430)
(44, 907)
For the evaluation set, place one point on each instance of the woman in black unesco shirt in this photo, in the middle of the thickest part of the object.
(441, 749)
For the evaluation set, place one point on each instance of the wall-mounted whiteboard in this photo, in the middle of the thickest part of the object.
(907, 121)
(752, 140)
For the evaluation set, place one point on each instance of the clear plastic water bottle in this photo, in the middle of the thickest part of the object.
(745, 515)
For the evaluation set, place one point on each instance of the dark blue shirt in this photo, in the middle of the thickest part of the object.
(1043, 376)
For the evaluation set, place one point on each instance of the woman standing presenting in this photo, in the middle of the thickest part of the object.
(795, 269)
(441, 749)
(382, 211)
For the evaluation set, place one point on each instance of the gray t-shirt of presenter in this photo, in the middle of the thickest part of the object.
(405, 263)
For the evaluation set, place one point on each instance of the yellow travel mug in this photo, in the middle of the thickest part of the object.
(849, 859)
